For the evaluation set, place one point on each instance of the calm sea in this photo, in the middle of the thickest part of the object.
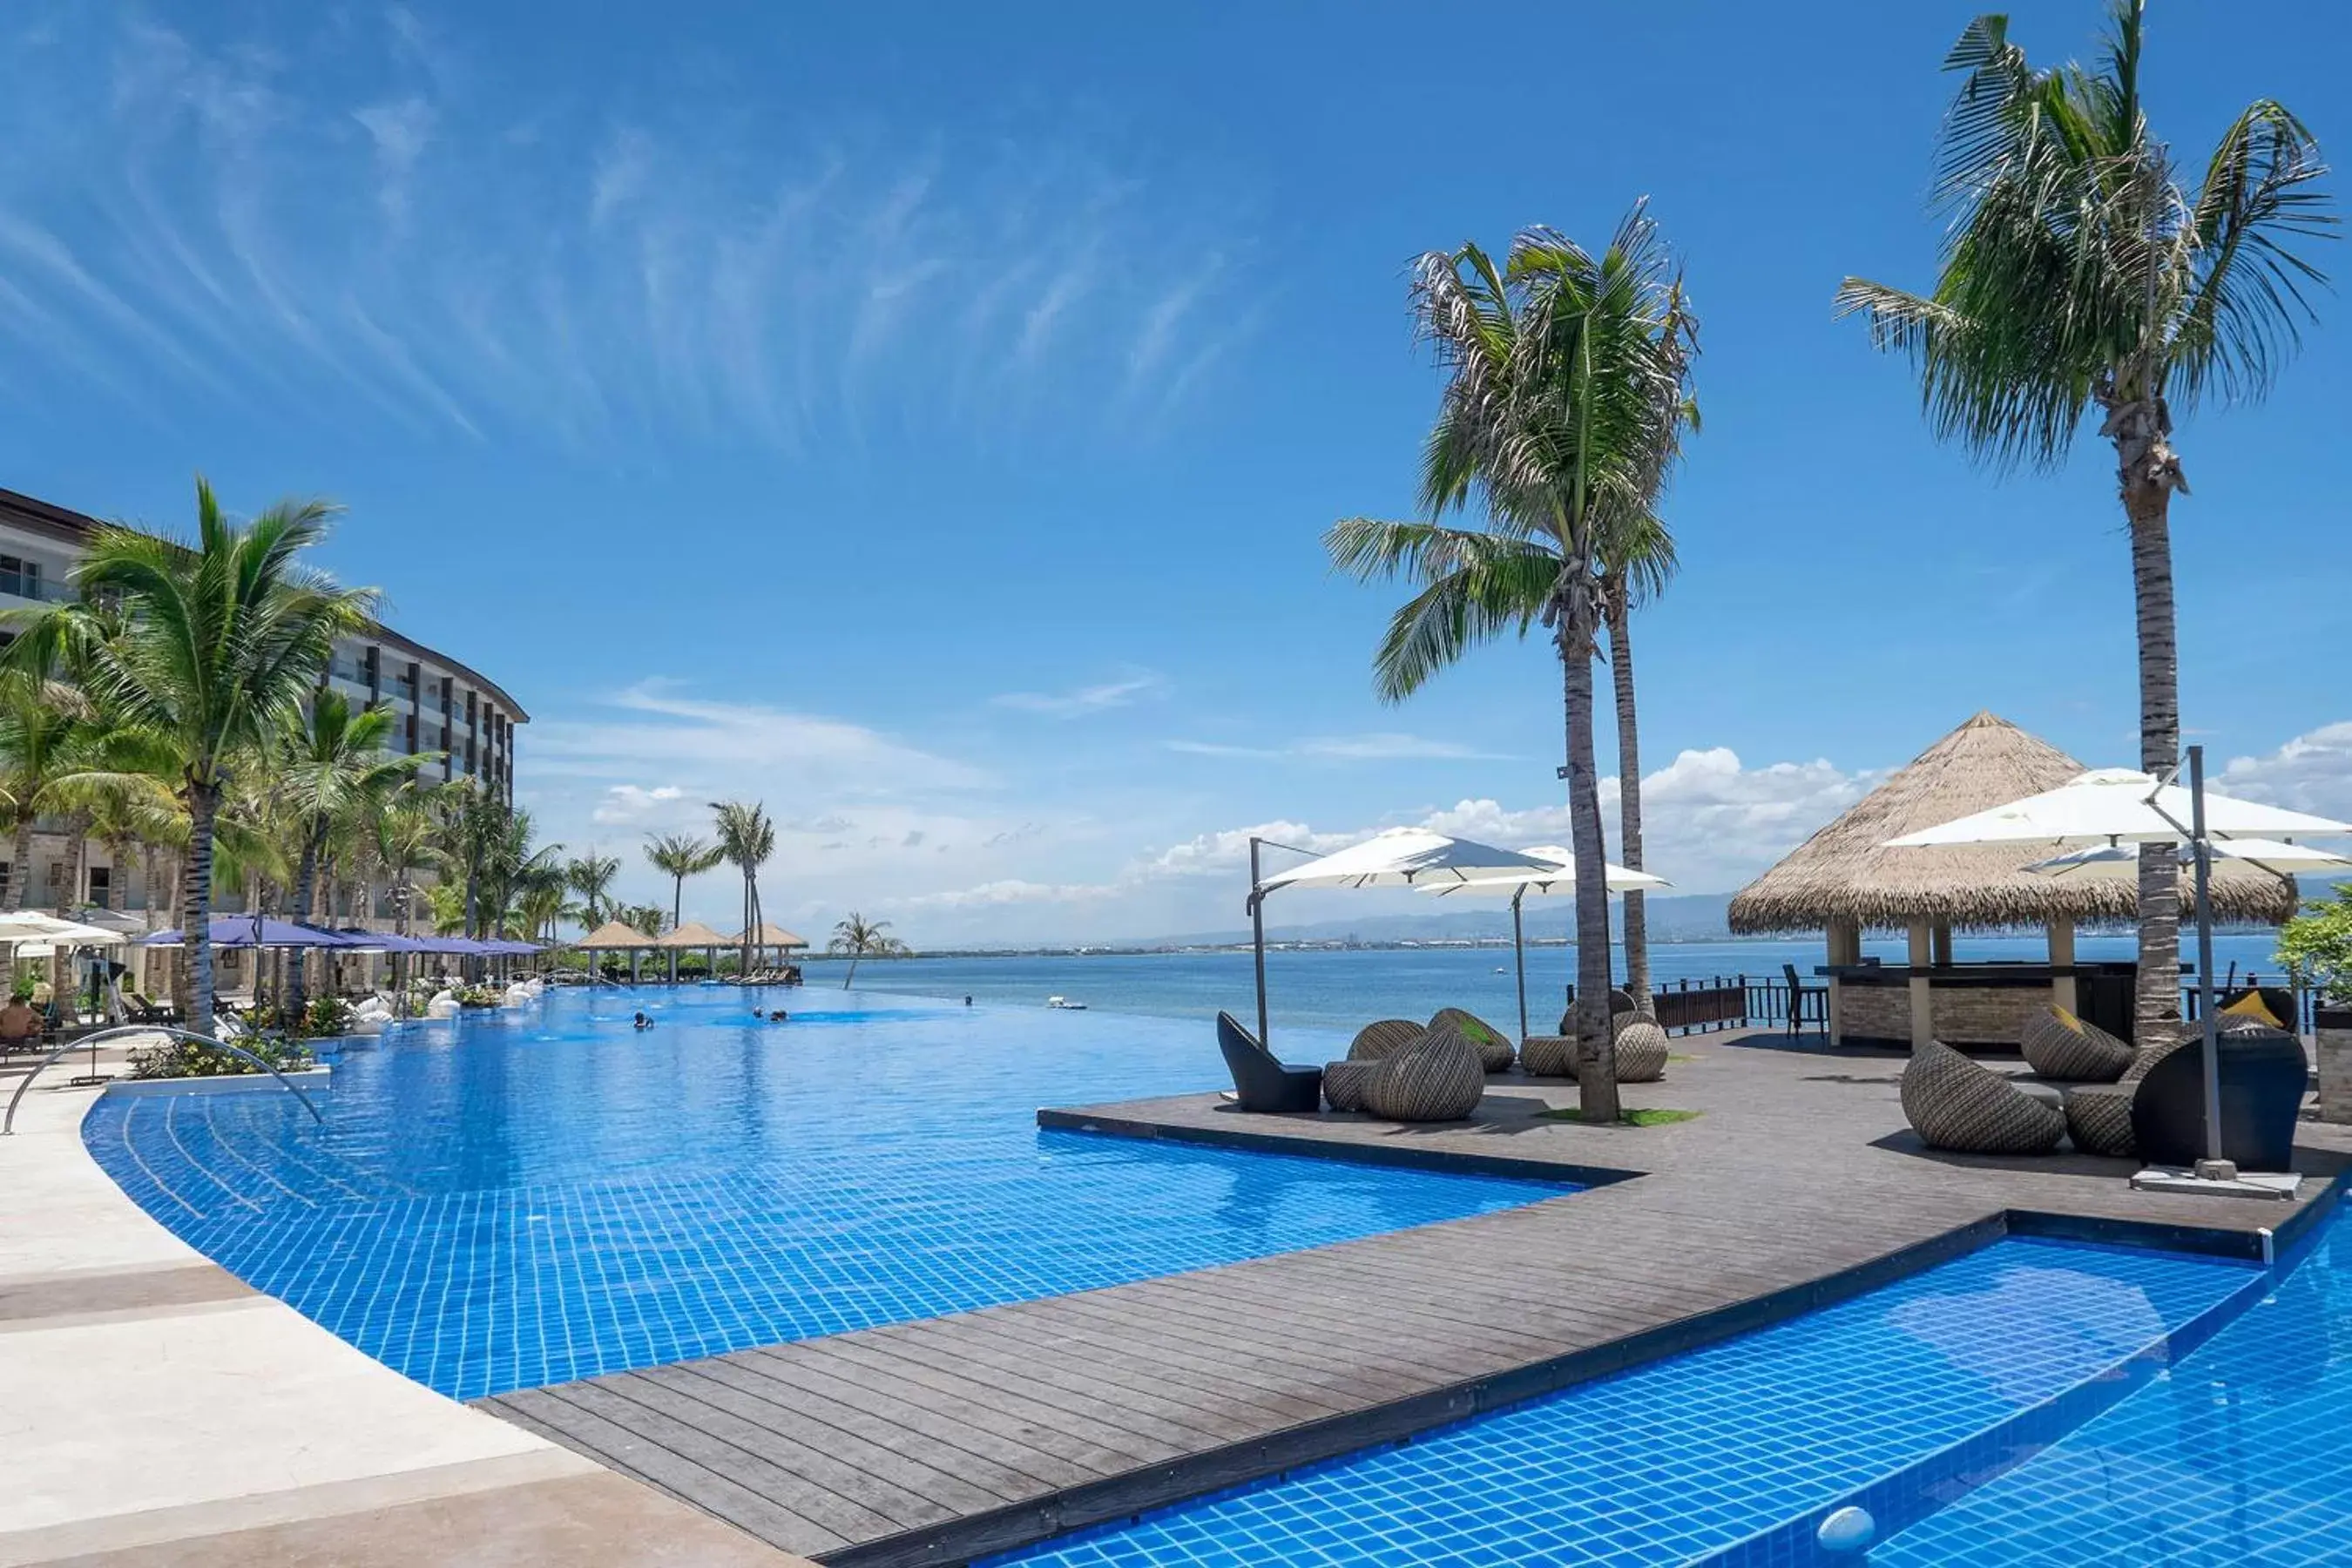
(1340, 990)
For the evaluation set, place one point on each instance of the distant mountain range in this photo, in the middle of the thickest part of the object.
(1679, 917)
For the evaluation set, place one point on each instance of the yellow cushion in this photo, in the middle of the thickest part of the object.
(2066, 1020)
(2251, 1005)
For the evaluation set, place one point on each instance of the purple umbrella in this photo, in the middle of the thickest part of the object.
(257, 930)
(384, 941)
(456, 946)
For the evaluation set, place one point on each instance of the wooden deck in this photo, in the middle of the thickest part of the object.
(936, 1441)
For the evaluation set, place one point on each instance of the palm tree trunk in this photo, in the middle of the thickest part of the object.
(196, 920)
(1596, 1054)
(154, 862)
(295, 991)
(20, 868)
(1629, 794)
(77, 828)
(2148, 471)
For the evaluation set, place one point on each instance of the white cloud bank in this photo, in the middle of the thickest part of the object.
(2311, 773)
(1711, 823)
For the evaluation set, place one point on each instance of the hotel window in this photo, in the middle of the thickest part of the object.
(20, 578)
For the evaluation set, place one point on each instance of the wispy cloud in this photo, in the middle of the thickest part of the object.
(1379, 747)
(383, 217)
(1096, 699)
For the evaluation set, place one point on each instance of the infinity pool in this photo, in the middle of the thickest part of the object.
(526, 1196)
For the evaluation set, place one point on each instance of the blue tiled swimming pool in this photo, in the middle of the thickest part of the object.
(524, 1197)
(2238, 1456)
(1696, 1457)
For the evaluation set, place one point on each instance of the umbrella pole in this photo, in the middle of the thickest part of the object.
(1258, 938)
(1520, 952)
(2215, 1166)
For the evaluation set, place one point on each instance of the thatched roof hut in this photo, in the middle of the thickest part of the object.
(693, 934)
(1845, 873)
(614, 937)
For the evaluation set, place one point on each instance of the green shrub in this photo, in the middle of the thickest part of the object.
(2316, 945)
(200, 1058)
(326, 1016)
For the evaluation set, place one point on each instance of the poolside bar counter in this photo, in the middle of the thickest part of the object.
(1970, 1003)
(1851, 878)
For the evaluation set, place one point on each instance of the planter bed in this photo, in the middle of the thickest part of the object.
(306, 1079)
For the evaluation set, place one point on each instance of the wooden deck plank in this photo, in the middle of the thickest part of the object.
(988, 1465)
(923, 1443)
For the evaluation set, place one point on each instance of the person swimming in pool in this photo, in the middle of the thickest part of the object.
(642, 1022)
(779, 1016)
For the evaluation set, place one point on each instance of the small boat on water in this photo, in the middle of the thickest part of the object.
(1065, 1004)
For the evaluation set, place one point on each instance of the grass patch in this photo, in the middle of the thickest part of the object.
(1645, 1116)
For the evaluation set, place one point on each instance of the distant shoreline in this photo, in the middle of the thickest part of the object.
(1400, 945)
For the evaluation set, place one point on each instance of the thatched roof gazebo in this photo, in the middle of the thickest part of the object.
(615, 937)
(1844, 880)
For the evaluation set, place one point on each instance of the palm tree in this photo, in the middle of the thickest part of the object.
(332, 772)
(861, 937)
(746, 838)
(2079, 273)
(1635, 570)
(40, 719)
(1562, 414)
(678, 855)
(591, 877)
(210, 650)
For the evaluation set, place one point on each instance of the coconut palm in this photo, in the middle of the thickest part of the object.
(210, 649)
(858, 937)
(1635, 569)
(333, 773)
(40, 719)
(678, 855)
(591, 877)
(2080, 274)
(747, 837)
(1562, 417)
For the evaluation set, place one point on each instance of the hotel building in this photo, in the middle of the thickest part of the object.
(440, 705)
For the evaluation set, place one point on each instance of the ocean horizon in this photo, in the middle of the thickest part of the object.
(1344, 988)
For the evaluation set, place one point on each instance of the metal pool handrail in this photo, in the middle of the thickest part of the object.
(8, 1125)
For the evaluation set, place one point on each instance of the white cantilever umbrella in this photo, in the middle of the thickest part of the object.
(2121, 862)
(1517, 885)
(1399, 858)
(2118, 806)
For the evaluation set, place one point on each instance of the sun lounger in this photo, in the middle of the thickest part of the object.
(1438, 1078)
(1260, 1082)
(1494, 1047)
(1960, 1105)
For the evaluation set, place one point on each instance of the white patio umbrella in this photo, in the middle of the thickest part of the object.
(2119, 806)
(1399, 858)
(1518, 885)
(2120, 862)
(31, 925)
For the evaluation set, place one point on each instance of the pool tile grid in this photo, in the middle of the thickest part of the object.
(479, 1291)
(2234, 1457)
(1935, 1480)
(1698, 1455)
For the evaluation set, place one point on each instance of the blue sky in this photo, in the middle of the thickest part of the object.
(924, 417)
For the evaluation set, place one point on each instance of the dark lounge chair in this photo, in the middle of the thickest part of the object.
(1260, 1082)
(2263, 1077)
